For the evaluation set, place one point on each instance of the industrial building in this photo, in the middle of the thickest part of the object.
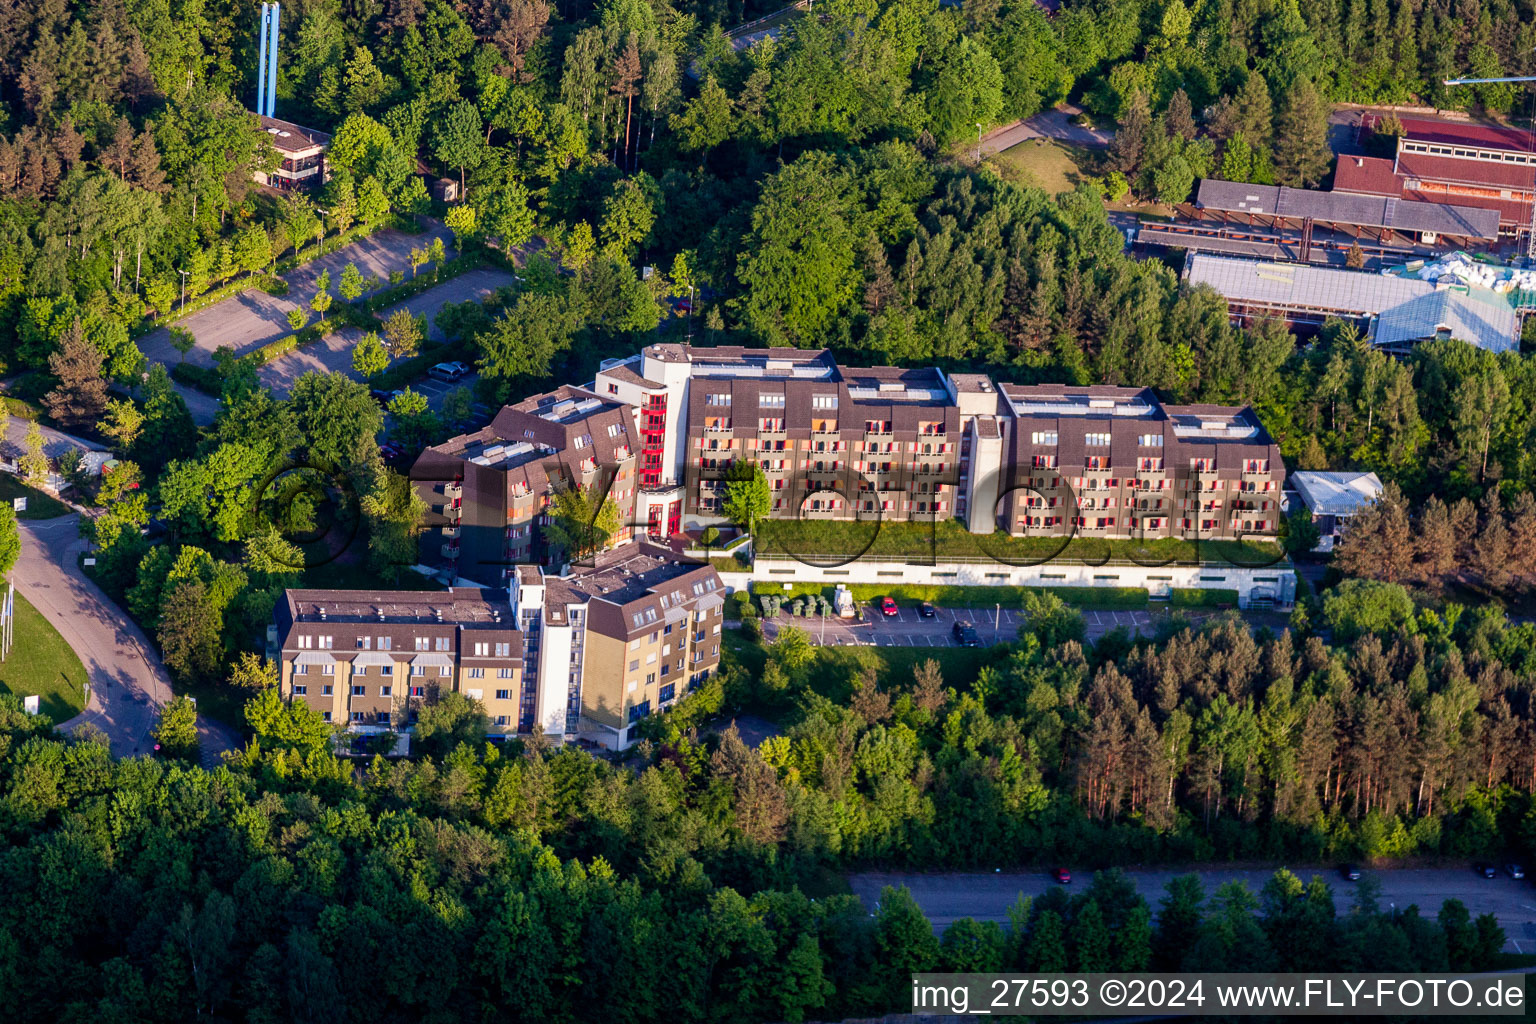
(1395, 311)
(1487, 167)
(1307, 225)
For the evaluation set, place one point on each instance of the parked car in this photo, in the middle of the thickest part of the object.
(1487, 870)
(1514, 871)
(1349, 873)
(381, 396)
(1062, 875)
(888, 607)
(390, 450)
(449, 371)
(965, 634)
(926, 610)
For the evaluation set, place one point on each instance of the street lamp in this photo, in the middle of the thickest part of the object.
(978, 142)
(183, 274)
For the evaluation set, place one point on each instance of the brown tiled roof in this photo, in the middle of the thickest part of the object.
(1472, 172)
(645, 580)
(1367, 175)
(1462, 133)
(624, 373)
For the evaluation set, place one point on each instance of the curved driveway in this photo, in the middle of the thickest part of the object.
(128, 681)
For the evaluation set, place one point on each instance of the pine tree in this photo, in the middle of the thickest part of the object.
(1180, 118)
(1131, 140)
(1302, 156)
(81, 395)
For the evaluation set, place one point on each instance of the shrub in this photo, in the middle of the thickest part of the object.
(1182, 597)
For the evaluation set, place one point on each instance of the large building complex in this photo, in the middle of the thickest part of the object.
(1116, 462)
(660, 430)
(370, 659)
(583, 656)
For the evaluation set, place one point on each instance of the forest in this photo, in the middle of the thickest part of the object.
(814, 189)
(699, 881)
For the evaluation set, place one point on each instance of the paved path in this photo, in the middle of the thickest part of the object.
(987, 897)
(129, 683)
(253, 318)
(1048, 124)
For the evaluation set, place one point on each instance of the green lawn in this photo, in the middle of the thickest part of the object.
(826, 542)
(39, 505)
(41, 663)
(1046, 164)
(910, 594)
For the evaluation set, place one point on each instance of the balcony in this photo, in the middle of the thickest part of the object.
(451, 551)
(453, 491)
(454, 512)
(450, 533)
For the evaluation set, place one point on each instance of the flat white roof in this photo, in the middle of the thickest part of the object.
(1336, 494)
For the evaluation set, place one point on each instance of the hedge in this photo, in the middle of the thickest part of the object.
(1181, 597)
(950, 596)
(204, 378)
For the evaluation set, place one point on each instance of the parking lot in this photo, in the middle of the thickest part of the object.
(908, 628)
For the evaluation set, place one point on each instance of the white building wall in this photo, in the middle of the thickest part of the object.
(554, 678)
(1277, 582)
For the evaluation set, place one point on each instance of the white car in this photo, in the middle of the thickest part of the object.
(449, 371)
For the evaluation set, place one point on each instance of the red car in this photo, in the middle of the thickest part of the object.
(1063, 876)
(888, 607)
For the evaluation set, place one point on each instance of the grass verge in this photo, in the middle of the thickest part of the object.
(977, 597)
(40, 505)
(41, 663)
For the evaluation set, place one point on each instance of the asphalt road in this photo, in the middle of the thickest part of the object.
(128, 681)
(946, 898)
(909, 629)
(1048, 124)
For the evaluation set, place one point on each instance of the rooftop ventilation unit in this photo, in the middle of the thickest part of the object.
(322, 613)
(437, 613)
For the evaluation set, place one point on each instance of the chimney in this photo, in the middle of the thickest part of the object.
(261, 61)
(272, 63)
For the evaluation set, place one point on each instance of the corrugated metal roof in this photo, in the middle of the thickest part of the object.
(1348, 292)
(1347, 208)
(1488, 323)
(1409, 309)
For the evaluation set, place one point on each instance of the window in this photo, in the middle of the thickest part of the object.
(506, 673)
(305, 642)
(359, 691)
(770, 401)
(386, 643)
(442, 643)
(1150, 440)
(383, 717)
(358, 716)
(327, 642)
(1096, 440)
(386, 691)
(614, 430)
(300, 689)
(634, 664)
(301, 670)
(503, 694)
(363, 643)
(667, 692)
(823, 401)
(327, 670)
(418, 691)
(326, 689)
(1043, 437)
(423, 644)
(418, 670)
(477, 673)
(482, 650)
(717, 399)
(503, 650)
